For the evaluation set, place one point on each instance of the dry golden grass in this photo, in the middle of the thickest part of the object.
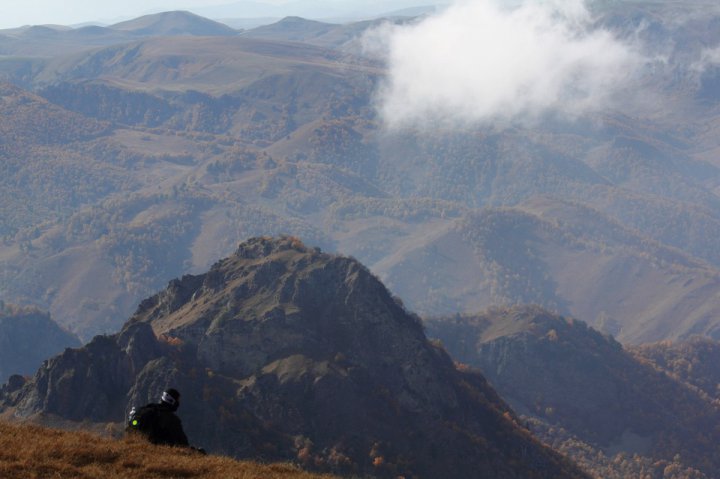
(32, 452)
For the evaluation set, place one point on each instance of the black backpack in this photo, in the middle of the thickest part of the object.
(144, 420)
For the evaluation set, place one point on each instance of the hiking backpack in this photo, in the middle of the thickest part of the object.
(143, 420)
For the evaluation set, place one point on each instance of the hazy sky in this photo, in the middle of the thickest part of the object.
(14, 13)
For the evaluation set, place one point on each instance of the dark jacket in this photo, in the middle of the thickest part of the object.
(166, 427)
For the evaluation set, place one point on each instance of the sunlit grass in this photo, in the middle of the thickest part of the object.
(29, 452)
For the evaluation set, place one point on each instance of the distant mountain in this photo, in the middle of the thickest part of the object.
(195, 143)
(283, 352)
(292, 29)
(46, 42)
(42, 32)
(35, 44)
(255, 9)
(342, 36)
(248, 23)
(313, 9)
(585, 394)
(413, 11)
(174, 23)
(28, 337)
(213, 66)
(566, 257)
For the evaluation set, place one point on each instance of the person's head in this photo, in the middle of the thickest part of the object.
(171, 397)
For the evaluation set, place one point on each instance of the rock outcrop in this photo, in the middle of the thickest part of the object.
(285, 353)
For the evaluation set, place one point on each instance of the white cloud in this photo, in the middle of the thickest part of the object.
(709, 57)
(478, 61)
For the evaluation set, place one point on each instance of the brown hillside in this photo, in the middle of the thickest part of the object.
(265, 136)
(693, 362)
(28, 451)
(30, 119)
(582, 391)
(565, 257)
(214, 65)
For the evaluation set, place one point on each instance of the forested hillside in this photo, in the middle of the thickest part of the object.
(618, 413)
(135, 156)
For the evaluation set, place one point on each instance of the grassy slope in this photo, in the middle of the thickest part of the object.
(28, 451)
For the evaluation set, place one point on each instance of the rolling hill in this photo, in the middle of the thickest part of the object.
(566, 257)
(186, 145)
(46, 42)
(291, 29)
(173, 23)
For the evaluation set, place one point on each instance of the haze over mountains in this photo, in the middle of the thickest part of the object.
(77, 13)
(131, 157)
(484, 155)
(27, 338)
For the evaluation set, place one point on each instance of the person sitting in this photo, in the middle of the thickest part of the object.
(158, 421)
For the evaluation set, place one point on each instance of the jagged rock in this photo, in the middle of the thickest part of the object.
(14, 384)
(139, 343)
(285, 353)
(88, 383)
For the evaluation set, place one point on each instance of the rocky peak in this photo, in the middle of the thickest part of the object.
(284, 352)
(282, 289)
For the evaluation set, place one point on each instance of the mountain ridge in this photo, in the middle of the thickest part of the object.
(174, 23)
(580, 389)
